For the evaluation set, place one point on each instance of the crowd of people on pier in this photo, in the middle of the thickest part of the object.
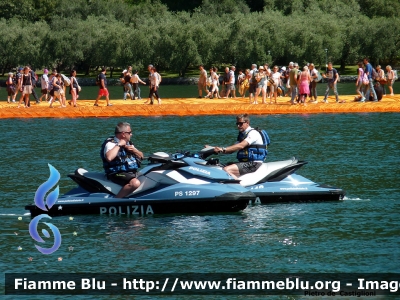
(297, 83)
(293, 81)
(54, 86)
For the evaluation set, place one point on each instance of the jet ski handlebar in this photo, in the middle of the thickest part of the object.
(162, 157)
(206, 152)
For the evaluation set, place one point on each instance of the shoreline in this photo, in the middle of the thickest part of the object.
(194, 107)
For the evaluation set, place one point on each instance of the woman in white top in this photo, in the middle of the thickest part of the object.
(390, 79)
(276, 77)
(360, 81)
(381, 78)
(215, 83)
(154, 82)
(135, 83)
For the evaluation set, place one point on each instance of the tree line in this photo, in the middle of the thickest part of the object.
(84, 34)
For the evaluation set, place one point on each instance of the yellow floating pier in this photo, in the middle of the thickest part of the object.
(194, 107)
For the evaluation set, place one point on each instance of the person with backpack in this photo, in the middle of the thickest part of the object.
(101, 81)
(251, 147)
(370, 87)
(391, 78)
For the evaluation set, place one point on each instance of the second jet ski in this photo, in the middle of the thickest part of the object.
(277, 182)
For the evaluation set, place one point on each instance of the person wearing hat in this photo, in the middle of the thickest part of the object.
(11, 90)
(261, 85)
(44, 81)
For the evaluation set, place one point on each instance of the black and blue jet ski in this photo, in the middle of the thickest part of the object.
(169, 184)
(277, 181)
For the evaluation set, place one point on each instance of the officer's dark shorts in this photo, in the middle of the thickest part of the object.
(248, 167)
(122, 178)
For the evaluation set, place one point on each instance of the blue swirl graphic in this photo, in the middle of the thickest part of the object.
(45, 187)
(35, 235)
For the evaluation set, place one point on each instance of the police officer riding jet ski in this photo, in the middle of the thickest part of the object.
(273, 181)
(170, 184)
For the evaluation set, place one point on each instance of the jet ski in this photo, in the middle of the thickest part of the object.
(277, 182)
(170, 184)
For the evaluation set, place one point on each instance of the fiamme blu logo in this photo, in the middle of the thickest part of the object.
(40, 203)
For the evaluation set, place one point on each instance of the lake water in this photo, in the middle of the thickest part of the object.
(357, 152)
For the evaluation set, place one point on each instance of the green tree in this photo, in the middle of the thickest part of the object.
(380, 8)
(23, 9)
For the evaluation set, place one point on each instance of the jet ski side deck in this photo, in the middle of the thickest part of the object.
(184, 199)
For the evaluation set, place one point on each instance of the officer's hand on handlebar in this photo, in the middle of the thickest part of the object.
(218, 150)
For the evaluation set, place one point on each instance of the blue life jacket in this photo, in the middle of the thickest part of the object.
(253, 152)
(123, 162)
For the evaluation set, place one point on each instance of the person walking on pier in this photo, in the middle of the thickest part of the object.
(332, 76)
(103, 91)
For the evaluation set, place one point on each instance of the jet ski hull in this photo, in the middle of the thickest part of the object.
(295, 188)
(103, 204)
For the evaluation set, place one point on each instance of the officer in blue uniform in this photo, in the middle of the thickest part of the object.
(121, 159)
(251, 146)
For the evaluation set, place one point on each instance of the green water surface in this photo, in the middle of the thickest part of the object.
(357, 152)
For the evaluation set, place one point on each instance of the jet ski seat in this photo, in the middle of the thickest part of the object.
(98, 182)
(263, 172)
